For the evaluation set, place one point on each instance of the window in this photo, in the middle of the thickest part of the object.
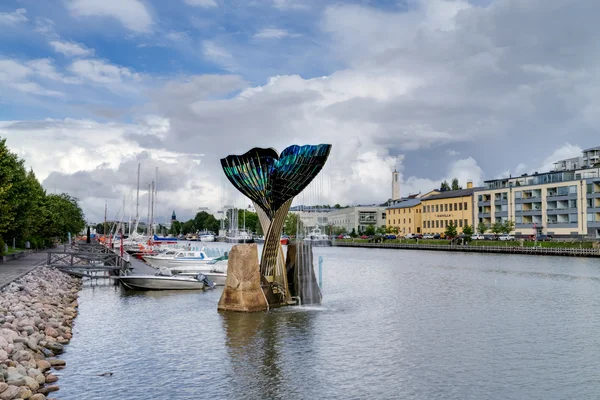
(409, 220)
(428, 208)
(455, 206)
(460, 222)
(504, 196)
(589, 188)
(404, 220)
(446, 223)
(465, 223)
(455, 222)
(518, 194)
(423, 208)
(572, 203)
(409, 210)
(479, 198)
(590, 203)
(408, 229)
(518, 220)
(591, 217)
(446, 207)
(573, 218)
(383, 216)
(518, 207)
(573, 189)
(504, 207)
(437, 224)
(437, 208)
(394, 222)
(405, 211)
(460, 206)
(465, 206)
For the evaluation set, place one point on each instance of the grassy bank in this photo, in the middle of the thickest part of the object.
(483, 243)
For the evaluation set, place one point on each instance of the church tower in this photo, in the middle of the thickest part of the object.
(173, 217)
(395, 186)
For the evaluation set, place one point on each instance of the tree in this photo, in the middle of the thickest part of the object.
(339, 230)
(444, 186)
(175, 228)
(391, 229)
(482, 228)
(455, 185)
(450, 231)
(370, 230)
(293, 225)
(468, 230)
(353, 233)
(337, 206)
(380, 230)
(497, 227)
(508, 226)
(188, 227)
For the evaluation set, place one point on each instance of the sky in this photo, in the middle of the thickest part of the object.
(437, 89)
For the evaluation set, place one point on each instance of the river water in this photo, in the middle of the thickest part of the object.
(394, 324)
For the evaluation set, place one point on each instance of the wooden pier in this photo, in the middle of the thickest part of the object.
(89, 260)
(538, 251)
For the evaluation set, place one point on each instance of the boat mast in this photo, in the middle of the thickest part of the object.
(152, 211)
(149, 199)
(155, 196)
(105, 211)
(137, 201)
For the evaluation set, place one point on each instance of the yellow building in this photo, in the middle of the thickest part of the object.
(405, 216)
(452, 205)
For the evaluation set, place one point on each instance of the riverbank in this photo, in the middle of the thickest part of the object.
(479, 248)
(36, 315)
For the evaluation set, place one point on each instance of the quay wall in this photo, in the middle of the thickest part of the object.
(36, 317)
(539, 251)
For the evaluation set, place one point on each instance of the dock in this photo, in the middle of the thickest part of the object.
(538, 251)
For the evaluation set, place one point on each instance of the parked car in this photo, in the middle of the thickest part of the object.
(418, 236)
(364, 237)
(390, 236)
(506, 237)
(428, 236)
(477, 236)
(489, 237)
(543, 238)
(409, 236)
(340, 237)
(347, 237)
(437, 236)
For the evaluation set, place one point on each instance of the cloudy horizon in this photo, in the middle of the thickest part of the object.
(438, 89)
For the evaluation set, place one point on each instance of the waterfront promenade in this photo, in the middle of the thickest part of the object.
(540, 251)
(12, 270)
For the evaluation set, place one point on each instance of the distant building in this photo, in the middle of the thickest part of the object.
(357, 217)
(173, 217)
(405, 216)
(438, 210)
(395, 186)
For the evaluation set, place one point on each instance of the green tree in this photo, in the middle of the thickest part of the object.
(508, 226)
(450, 231)
(444, 186)
(497, 228)
(339, 230)
(293, 225)
(65, 216)
(188, 227)
(370, 230)
(455, 185)
(337, 206)
(251, 220)
(353, 233)
(380, 230)
(482, 228)
(468, 230)
(175, 228)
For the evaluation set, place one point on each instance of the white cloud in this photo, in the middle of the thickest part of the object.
(567, 150)
(13, 18)
(273, 33)
(131, 13)
(71, 49)
(21, 76)
(219, 55)
(100, 71)
(201, 3)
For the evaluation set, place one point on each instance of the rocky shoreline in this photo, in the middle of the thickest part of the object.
(36, 316)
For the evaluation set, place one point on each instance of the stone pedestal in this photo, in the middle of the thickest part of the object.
(242, 290)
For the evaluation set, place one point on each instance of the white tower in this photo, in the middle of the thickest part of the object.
(395, 186)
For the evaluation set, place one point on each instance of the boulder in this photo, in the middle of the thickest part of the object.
(46, 389)
(51, 378)
(55, 347)
(243, 290)
(24, 393)
(3, 386)
(38, 396)
(58, 363)
(10, 393)
(43, 365)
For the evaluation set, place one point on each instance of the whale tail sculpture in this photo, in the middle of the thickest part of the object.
(272, 181)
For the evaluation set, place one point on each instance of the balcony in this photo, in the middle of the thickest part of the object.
(484, 215)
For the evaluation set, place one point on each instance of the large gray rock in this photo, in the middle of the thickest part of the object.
(10, 393)
(243, 290)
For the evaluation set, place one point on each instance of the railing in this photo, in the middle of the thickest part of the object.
(88, 260)
(550, 251)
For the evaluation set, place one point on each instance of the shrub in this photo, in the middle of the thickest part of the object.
(1, 247)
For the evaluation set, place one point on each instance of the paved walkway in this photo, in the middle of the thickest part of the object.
(14, 269)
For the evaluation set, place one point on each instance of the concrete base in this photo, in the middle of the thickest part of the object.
(243, 291)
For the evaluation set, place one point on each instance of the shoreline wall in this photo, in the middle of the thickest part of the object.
(36, 317)
(539, 251)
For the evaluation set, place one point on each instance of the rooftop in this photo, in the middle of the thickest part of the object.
(449, 194)
(406, 204)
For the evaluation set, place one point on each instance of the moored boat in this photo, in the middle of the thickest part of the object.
(215, 271)
(239, 237)
(173, 258)
(317, 238)
(164, 280)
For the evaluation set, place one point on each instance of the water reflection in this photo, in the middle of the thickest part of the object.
(262, 347)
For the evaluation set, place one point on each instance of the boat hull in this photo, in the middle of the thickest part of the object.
(143, 282)
(239, 240)
(218, 278)
(319, 243)
(171, 263)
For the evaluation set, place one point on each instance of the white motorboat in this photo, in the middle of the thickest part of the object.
(239, 237)
(164, 280)
(206, 237)
(215, 271)
(317, 238)
(174, 258)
